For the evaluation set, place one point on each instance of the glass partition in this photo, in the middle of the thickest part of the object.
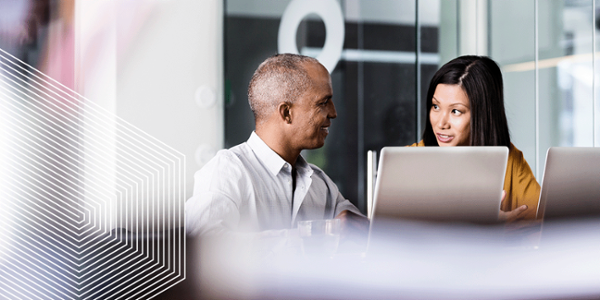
(512, 22)
(596, 75)
(377, 82)
(546, 51)
(392, 48)
(565, 75)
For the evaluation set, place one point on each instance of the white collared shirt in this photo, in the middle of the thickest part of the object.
(248, 188)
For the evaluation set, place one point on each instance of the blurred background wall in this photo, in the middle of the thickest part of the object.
(178, 69)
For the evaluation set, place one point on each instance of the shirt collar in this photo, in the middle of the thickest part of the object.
(266, 155)
(302, 166)
(272, 160)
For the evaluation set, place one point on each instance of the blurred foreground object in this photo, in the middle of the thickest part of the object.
(418, 260)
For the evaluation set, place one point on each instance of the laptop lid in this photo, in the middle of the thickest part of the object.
(462, 184)
(571, 183)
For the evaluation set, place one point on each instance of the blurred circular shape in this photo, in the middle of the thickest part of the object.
(204, 153)
(331, 14)
(205, 97)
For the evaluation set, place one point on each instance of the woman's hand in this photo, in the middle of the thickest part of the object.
(513, 215)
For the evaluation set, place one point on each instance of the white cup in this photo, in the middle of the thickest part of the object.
(320, 237)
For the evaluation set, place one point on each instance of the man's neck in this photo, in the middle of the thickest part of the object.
(279, 145)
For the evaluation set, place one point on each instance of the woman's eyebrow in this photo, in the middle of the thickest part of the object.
(453, 104)
(457, 104)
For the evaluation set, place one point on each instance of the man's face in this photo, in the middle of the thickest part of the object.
(312, 112)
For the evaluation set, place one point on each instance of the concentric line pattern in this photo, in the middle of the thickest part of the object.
(91, 207)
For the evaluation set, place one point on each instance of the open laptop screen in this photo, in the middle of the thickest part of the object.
(461, 184)
(571, 183)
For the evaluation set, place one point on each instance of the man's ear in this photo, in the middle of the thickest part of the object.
(285, 112)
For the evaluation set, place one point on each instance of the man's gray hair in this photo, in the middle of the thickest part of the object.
(280, 78)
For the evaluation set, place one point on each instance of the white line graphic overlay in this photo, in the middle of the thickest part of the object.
(91, 206)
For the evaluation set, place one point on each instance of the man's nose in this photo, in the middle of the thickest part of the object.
(332, 114)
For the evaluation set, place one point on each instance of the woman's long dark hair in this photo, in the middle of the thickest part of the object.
(481, 79)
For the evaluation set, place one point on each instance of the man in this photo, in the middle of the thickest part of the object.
(264, 183)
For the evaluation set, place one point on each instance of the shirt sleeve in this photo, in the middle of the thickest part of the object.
(330, 196)
(218, 191)
(220, 187)
(342, 204)
(523, 187)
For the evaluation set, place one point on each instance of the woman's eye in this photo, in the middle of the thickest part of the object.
(456, 112)
(434, 106)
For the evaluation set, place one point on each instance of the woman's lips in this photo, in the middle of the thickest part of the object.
(444, 138)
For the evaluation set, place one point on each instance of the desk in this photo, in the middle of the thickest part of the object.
(434, 261)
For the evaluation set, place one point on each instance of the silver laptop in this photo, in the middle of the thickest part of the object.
(462, 184)
(571, 183)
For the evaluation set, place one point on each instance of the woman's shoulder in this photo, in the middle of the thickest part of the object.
(514, 152)
(516, 158)
(419, 144)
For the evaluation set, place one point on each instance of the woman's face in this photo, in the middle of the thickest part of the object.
(450, 116)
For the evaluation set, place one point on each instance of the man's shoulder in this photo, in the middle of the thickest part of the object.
(226, 173)
(226, 159)
(239, 149)
(319, 173)
(234, 153)
(225, 156)
(316, 169)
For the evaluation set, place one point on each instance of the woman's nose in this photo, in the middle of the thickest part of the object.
(443, 121)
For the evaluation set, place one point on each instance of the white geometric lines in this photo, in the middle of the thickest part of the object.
(90, 206)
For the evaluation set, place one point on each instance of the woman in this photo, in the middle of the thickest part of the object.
(466, 108)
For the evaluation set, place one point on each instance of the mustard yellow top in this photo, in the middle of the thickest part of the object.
(520, 185)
